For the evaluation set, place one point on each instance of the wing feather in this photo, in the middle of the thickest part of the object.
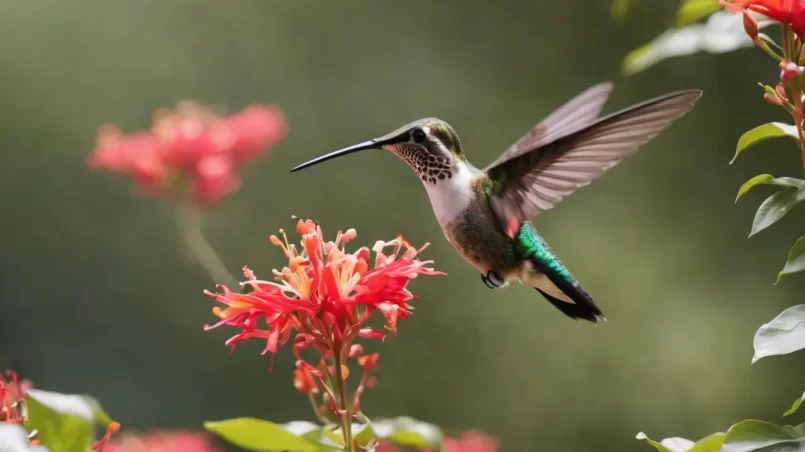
(538, 178)
(577, 113)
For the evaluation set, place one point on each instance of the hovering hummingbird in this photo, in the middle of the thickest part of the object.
(486, 213)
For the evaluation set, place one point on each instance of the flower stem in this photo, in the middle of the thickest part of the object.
(342, 399)
(189, 220)
(313, 404)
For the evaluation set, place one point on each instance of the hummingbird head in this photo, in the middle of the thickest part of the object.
(429, 146)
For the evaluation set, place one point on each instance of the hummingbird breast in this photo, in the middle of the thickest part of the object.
(477, 235)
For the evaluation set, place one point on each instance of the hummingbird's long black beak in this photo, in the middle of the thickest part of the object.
(371, 144)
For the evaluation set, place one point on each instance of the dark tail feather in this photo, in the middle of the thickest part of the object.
(583, 306)
(574, 310)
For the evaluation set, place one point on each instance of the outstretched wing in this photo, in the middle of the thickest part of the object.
(576, 114)
(536, 179)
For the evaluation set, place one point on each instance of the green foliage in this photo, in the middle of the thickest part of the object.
(795, 406)
(694, 10)
(404, 431)
(763, 133)
(64, 423)
(622, 8)
(723, 32)
(710, 443)
(782, 335)
(768, 179)
(796, 259)
(260, 435)
(775, 207)
(301, 436)
(753, 435)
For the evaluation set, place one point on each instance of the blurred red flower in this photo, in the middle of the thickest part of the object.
(190, 150)
(162, 442)
(470, 441)
(12, 393)
(790, 12)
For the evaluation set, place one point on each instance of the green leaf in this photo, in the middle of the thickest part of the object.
(752, 435)
(260, 435)
(693, 10)
(403, 430)
(723, 32)
(796, 259)
(763, 133)
(14, 438)
(795, 406)
(621, 9)
(64, 423)
(775, 207)
(710, 443)
(768, 179)
(784, 334)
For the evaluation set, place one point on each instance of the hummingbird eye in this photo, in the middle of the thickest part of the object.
(418, 135)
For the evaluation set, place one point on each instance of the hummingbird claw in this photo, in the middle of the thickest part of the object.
(492, 280)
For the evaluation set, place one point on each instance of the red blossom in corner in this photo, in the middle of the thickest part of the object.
(791, 12)
(12, 394)
(190, 150)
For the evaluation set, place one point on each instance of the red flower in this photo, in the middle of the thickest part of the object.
(162, 442)
(190, 150)
(790, 12)
(12, 393)
(327, 296)
(324, 293)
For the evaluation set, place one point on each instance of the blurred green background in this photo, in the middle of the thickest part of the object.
(98, 296)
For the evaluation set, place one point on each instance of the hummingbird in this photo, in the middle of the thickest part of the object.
(486, 213)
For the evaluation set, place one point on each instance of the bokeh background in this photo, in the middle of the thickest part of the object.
(98, 297)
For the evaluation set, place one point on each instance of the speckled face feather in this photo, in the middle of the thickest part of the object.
(434, 159)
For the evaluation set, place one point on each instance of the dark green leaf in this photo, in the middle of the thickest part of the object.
(796, 259)
(710, 443)
(14, 438)
(784, 334)
(775, 207)
(752, 435)
(795, 406)
(621, 9)
(260, 435)
(64, 423)
(768, 179)
(693, 10)
(723, 32)
(763, 133)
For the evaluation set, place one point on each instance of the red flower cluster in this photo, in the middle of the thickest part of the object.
(791, 12)
(328, 297)
(326, 294)
(470, 441)
(190, 150)
(162, 442)
(12, 393)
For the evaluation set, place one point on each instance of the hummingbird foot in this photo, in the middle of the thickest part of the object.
(492, 280)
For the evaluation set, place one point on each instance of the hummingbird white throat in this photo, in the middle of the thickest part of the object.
(486, 213)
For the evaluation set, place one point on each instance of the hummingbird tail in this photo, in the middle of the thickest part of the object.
(575, 302)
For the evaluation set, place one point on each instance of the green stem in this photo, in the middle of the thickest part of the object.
(342, 399)
(189, 220)
(764, 46)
